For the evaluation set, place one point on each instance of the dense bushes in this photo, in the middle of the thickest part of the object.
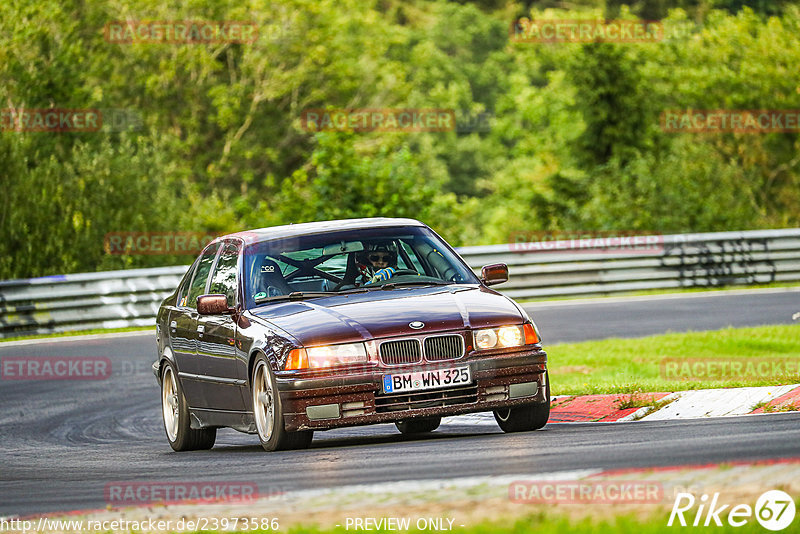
(572, 140)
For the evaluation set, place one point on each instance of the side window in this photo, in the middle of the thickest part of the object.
(434, 259)
(224, 279)
(412, 255)
(201, 275)
(183, 290)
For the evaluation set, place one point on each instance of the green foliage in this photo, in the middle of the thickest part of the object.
(569, 139)
(611, 97)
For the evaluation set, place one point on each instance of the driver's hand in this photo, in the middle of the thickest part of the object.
(382, 275)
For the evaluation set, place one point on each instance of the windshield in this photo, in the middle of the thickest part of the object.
(353, 260)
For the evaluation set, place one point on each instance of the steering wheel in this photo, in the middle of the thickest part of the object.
(383, 276)
(404, 271)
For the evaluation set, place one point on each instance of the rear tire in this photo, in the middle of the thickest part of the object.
(525, 418)
(418, 426)
(268, 412)
(175, 414)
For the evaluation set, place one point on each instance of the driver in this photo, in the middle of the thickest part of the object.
(378, 264)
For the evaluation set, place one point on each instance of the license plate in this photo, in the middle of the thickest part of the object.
(422, 380)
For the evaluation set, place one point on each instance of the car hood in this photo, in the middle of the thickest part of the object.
(377, 314)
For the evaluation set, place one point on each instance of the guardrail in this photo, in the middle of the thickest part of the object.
(670, 261)
(84, 301)
(551, 269)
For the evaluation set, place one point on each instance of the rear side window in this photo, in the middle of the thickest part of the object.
(198, 286)
(224, 279)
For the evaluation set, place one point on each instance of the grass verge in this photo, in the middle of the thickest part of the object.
(641, 364)
(771, 408)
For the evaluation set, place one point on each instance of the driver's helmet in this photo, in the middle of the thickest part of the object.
(376, 257)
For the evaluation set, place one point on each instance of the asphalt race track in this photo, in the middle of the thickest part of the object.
(63, 441)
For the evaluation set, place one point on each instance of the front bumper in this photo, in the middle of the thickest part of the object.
(499, 381)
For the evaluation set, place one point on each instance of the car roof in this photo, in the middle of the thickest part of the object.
(293, 230)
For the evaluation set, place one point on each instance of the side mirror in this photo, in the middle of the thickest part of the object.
(213, 305)
(496, 273)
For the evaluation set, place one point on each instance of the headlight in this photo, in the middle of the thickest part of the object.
(327, 356)
(485, 339)
(505, 336)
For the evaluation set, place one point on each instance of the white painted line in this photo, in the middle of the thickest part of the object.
(690, 404)
(635, 416)
(641, 412)
(717, 402)
(87, 337)
(668, 296)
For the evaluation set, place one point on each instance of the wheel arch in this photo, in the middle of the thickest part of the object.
(254, 353)
(166, 356)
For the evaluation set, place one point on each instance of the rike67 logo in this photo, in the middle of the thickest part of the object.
(774, 510)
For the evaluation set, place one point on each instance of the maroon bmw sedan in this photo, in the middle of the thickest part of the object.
(282, 331)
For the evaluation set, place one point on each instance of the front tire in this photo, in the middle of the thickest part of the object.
(418, 426)
(525, 418)
(268, 413)
(175, 413)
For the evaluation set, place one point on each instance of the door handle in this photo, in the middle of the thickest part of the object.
(201, 328)
(173, 324)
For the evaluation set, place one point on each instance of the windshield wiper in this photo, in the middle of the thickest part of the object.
(389, 285)
(392, 285)
(295, 295)
(353, 290)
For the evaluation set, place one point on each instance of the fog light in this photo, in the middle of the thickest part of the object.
(526, 389)
(323, 411)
